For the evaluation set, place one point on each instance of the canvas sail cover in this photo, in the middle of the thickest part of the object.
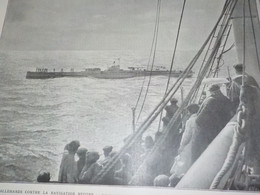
(252, 32)
(203, 171)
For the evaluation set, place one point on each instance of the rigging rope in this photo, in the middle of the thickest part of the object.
(211, 68)
(241, 131)
(205, 56)
(254, 34)
(193, 99)
(237, 140)
(221, 53)
(151, 51)
(204, 59)
(244, 41)
(174, 121)
(154, 52)
(188, 67)
(179, 111)
(144, 125)
(203, 62)
(147, 122)
(226, 18)
(231, 47)
(173, 56)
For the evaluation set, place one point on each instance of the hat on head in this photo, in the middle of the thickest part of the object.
(161, 180)
(213, 88)
(73, 146)
(193, 108)
(108, 148)
(238, 67)
(174, 100)
(92, 156)
(82, 150)
(126, 158)
(44, 177)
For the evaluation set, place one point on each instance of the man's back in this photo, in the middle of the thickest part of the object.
(170, 110)
(236, 87)
(213, 115)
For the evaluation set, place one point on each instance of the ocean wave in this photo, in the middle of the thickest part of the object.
(16, 106)
(39, 131)
(39, 117)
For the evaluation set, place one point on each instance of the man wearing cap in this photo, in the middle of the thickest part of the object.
(106, 158)
(81, 152)
(190, 126)
(236, 84)
(162, 181)
(183, 161)
(68, 167)
(170, 111)
(213, 115)
(91, 168)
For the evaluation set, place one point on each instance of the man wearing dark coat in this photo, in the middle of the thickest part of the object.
(106, 158)
(236, 84)
(170, 111)
(91, 168)
(68, 168)
(81, 152)
(213, 115)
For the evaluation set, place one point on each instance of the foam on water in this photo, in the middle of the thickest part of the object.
(38, 117)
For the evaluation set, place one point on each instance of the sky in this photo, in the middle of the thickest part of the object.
(104, 24)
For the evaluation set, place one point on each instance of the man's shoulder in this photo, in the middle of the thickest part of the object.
(237, 79)
(216, 101)
(210, 99)
(192, 118)
(171, 107)
(226, 101)
(168, 107)
(251, 80)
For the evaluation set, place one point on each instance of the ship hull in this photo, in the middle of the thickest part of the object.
(204, 170)
(101, 74)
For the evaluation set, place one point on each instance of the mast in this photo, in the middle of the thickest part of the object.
(252, 32)
(3, 15)
(238, 134)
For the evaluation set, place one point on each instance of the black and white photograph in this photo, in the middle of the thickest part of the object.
(146, 94)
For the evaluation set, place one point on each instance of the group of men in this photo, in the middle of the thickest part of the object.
(210, 118)
(82, 170)
(205, 121)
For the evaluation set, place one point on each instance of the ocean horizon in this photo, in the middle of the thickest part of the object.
(39, 117)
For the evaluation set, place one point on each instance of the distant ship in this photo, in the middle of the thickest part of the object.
(113, 72)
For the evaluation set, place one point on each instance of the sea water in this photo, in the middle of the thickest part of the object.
(39, 117)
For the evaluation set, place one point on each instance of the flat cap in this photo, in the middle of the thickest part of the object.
(193, 108)
(238, 67)
(108, 148)
(82, 150)
(174, 100)
(214, 88)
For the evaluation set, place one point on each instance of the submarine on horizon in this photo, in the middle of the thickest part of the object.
(113, 72)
